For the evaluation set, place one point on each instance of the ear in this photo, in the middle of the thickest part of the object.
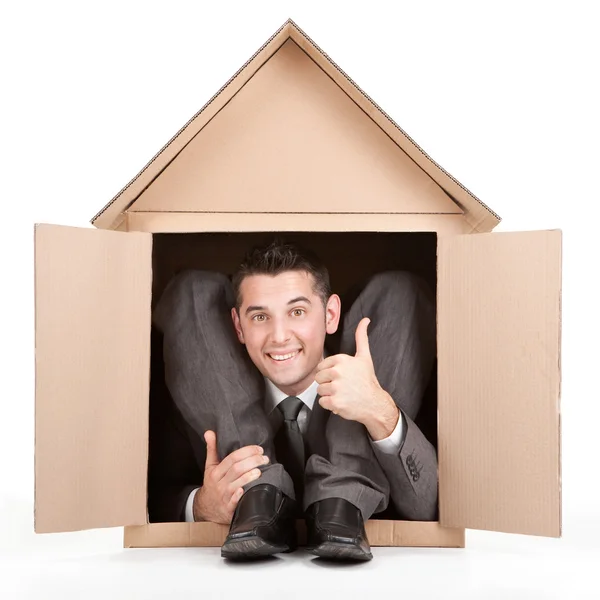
(332, 313)
(237, 325)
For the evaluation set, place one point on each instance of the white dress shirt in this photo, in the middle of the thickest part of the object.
(273, 396)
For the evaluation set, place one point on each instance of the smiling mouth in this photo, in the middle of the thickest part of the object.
(284, 358)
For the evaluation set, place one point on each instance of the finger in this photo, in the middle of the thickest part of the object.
(241, 467)
(326, 376)
(212, 457)
(330, 361)
(245, 478)
(331, 404)
(234, 457)
(235, 498)
(362, 339)
(325, 389)
(326, 402)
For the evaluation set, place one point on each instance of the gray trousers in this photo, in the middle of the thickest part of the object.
(216, 386)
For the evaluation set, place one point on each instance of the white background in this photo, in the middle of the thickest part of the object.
(504, 95)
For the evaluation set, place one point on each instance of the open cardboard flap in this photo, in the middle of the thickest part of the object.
(499, 298)
(92, 358)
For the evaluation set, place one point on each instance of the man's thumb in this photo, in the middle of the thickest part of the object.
(212, 458)
(362, 340)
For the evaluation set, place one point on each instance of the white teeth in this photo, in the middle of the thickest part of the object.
(283, 356)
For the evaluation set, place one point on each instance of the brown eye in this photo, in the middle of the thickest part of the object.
(256, 318)
(298, 310)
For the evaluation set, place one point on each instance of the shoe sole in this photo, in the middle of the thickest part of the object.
(339, 551)
(251, 548)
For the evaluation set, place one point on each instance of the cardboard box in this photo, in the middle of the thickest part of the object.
(291, 144)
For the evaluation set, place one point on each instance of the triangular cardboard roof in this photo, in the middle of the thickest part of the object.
(414, 181)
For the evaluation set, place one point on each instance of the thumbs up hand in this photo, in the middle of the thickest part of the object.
(348, 387)
(363, 350)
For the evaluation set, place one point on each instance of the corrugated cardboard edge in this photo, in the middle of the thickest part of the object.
(423, 534)
(480, 217)
(162, 222)
(559, 399)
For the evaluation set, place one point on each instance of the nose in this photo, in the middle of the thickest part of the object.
(280, 332)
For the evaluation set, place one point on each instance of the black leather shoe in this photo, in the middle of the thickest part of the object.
(335, 530)
(264, 523)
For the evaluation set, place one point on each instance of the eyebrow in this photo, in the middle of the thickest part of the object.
(252, 308)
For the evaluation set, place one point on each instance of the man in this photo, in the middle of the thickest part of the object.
(331, 437)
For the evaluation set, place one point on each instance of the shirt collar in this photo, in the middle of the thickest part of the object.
(273, 395)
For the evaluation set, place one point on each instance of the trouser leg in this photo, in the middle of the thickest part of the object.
(209, 374)
(402, 334)
(402, 343)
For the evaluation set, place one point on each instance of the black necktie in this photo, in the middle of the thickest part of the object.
(291, 443)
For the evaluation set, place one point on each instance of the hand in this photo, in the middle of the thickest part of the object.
(348, 387)
(222, 488)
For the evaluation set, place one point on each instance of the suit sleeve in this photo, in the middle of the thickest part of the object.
(176, 453)
(413, 475)
(173, 473)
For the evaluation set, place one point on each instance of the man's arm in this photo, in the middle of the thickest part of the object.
(223, 484)
(173, 472)
(411, 469)
(176, 453)
(189, 506)
(349, 387)
(168, 494)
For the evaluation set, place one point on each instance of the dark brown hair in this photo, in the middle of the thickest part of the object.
(278, 257)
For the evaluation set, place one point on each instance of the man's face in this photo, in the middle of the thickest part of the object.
(283, 324)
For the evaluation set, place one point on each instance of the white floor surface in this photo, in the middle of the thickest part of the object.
(90, 565)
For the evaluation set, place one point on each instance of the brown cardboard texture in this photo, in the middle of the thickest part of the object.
(498, 352)
(92, 352)
(291, 144)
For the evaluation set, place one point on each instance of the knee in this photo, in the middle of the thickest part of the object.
(397, 283)
(187, 289)
(196, 282)
(398, 292)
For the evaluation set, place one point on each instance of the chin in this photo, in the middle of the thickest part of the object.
(285, 379)
(285, 382)
(304, 379)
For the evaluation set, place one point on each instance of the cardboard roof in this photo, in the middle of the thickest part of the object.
(306, 117)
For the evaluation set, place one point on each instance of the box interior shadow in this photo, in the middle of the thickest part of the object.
(351, 257)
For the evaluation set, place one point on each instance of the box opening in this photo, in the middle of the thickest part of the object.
(351, 258)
